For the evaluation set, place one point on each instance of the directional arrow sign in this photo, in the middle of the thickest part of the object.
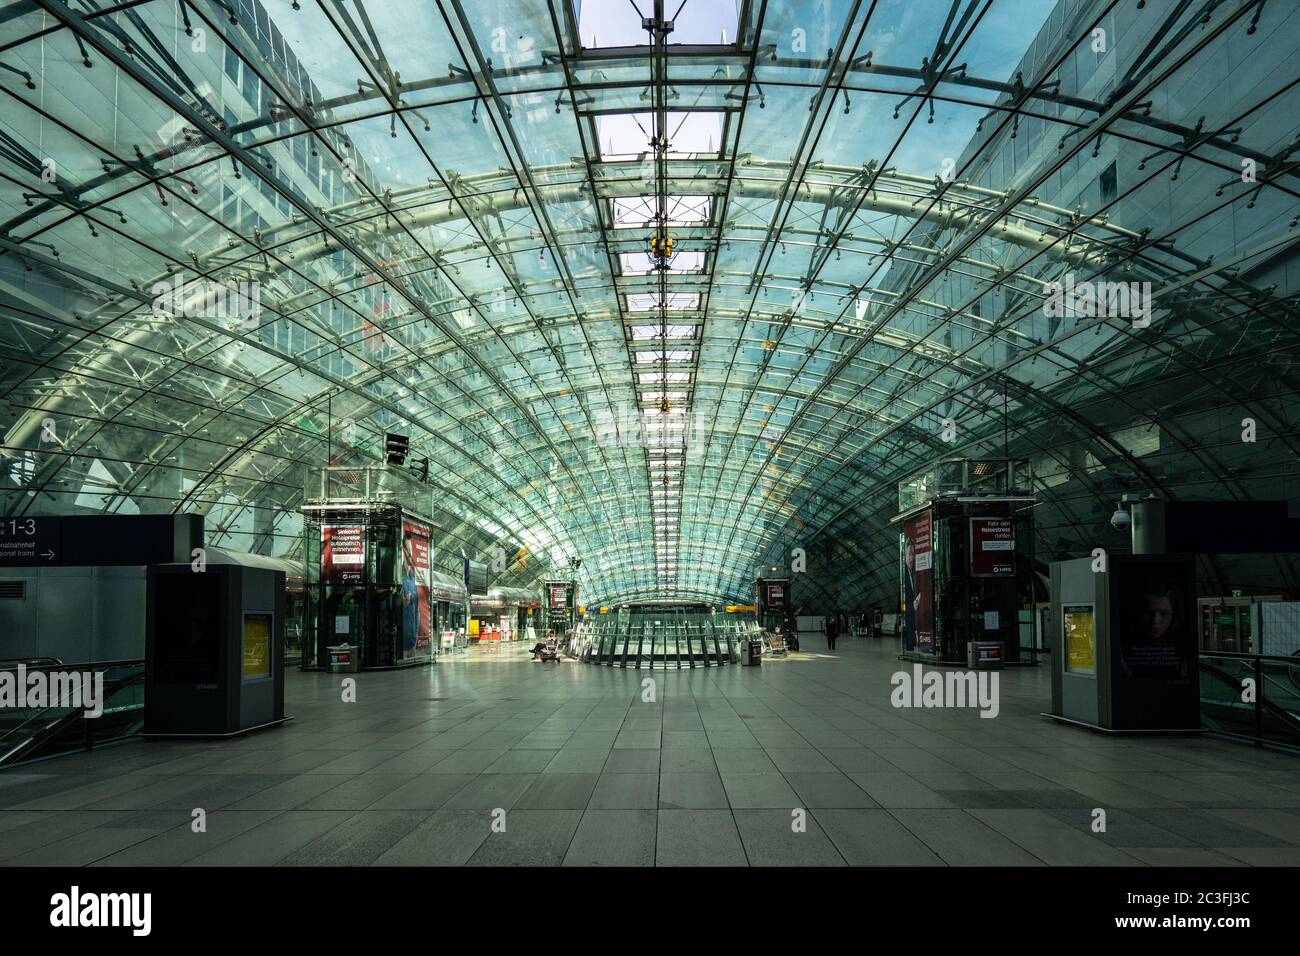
(25, 541)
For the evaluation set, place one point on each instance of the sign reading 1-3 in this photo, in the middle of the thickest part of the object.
(28, 542)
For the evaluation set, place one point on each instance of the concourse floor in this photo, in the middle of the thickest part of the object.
(717, 770)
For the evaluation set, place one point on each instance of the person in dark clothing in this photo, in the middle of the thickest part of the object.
(832, 631)
(540, 645)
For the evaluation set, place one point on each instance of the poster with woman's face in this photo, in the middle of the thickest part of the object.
(917, 562)
(1154, 620)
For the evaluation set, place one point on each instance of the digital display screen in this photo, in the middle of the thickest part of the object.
(475, 577)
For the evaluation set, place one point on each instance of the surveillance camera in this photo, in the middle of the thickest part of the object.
(1120, 519)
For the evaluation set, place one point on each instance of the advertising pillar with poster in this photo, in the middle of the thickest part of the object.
(343, 554)
(561, 601)
(417, 609)
(918, 584)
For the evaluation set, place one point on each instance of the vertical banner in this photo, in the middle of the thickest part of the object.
(416, 607)
(992, 547)
(342, 554)
(918, 590)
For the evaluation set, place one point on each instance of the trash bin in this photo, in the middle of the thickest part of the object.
(344, 658)
(751, 653)
(984, 655)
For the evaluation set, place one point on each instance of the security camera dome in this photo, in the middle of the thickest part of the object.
(1120, 519)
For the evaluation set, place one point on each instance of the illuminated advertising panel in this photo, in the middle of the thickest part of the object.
(342, 554)
(992, 547)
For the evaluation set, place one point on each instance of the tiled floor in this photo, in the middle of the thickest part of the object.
(717, 770)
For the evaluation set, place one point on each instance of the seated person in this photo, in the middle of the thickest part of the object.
(540, 645)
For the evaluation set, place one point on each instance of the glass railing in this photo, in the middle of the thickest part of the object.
(673, 641)
(1251, 696)
(55, 721)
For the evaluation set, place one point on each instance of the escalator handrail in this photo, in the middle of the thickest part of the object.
(1271, 707)
(17, 754)
(58, 664)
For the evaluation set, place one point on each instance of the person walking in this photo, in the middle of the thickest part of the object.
(832, 631)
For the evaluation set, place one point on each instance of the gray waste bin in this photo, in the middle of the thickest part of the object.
(344, 658)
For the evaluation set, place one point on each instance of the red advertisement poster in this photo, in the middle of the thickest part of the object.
(918, 590)
(417, 609)
(342, 554)
(992, 547)
(776, 595)
(558, 596)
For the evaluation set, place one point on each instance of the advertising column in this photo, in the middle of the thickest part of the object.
(417, 610)
(918, 588)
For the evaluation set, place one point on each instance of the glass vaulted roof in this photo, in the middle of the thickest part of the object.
(674, 288)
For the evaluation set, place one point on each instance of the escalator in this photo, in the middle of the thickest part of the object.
(31, 733)
(1272, 717)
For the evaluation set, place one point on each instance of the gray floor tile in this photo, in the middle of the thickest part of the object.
(530, 838)
(626, 791)
(614, 838)
(691, 791)
(831, 790)
(770, 839)
(357, 841)
(559, 791)
(960, 839)
(872, 837)
(698, 838)
(759, 791)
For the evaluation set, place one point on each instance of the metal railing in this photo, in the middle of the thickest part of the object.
(1251, 696)
(29, 732)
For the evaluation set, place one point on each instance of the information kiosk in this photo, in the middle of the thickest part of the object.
(1124, 645)
(214, 650)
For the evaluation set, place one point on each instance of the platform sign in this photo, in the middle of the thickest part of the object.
(992, 547)
(29, 542)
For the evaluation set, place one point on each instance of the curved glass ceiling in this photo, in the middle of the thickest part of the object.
(672, 288)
